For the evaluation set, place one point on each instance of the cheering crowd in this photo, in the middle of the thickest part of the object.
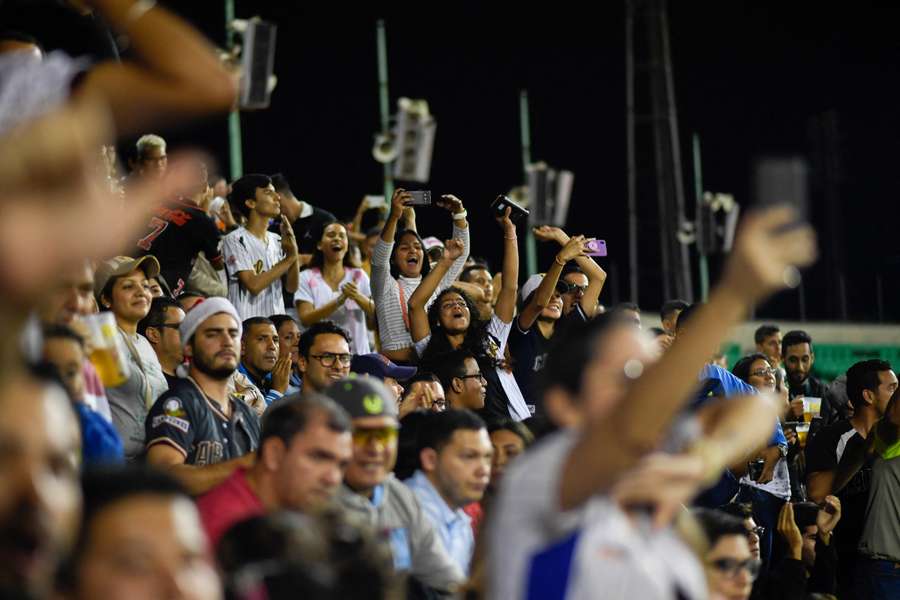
(216, 389)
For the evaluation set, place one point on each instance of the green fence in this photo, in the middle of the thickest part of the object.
(833, 359)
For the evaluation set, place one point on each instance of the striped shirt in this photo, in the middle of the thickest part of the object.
(243, 251)
(386, 291)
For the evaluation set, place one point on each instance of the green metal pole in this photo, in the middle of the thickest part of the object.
(383, 100)
(698, 190)
(530, 244)
(234, 119)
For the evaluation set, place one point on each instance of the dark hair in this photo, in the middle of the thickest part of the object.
(426, 376)
(293, 413)
(741, 510)
(308, 337)
(764, 331)
(467, 272)
(741, 368)
(479, 261)
(571, 352)
(515, 427)
(671, 306)
(626, 306)
(477, 339)
(686, 315)
(245, 189)
(571, 267)
(249, 323)
(450, 365)
(395, 270)
(436, 429)
(13, 35)
(717, 524)
(318, 258)
(62, 332)
(805, 514)
(279, 320)
(157, 315)
(281, 185)
(864, 376)
(792, 338)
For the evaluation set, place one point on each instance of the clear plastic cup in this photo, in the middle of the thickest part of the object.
(107, 354)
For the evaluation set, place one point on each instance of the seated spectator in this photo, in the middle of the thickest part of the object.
(158, 287)
(509, 439)
(372, 492)
(397, 270)
(140, 538)
(333, 287)
(324, 357)
(380, 367)
(455, 457)
(121, 287)
(798, 357)
(744, 512)
(288, 338)
(260, 359)
(423, 392)
(189, 297)
(197, 430)
(464, 384)
(257, 259)
(304, 448)
(668, 314)
(160, 327)
(730, 566)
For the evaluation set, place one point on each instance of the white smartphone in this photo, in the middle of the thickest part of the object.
(375, 202)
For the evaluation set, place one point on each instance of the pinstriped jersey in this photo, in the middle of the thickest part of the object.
(243, 251)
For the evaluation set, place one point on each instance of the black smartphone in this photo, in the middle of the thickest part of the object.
(419, 198)
(501, 203)
(782, 180)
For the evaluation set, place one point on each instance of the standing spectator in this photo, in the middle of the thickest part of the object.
(304, 218)
(455, 457)
(799, 357)
(304, 448)
(768, 341)
(398, 266)
(197, 430)
(372, 491)
(121, 287)
(333, 288)
(261, 361)
(150, 159)
(324, 356)
(730, 566)
(288, 339)
(256, 259)
(160, 327)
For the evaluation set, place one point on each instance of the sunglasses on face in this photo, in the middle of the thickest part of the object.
(564, 287)
(763, 372)
(730, 566)
(381, 435)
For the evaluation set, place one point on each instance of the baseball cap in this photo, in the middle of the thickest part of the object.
(432, 242)
(379, 366)
(123, 265)
(531, 284)
(363, 397)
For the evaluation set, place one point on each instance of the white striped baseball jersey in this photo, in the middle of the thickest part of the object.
(243, 251)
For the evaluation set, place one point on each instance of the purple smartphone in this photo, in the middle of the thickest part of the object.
(596, 248)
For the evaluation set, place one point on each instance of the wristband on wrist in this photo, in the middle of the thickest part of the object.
(561, 263)
(460, 215)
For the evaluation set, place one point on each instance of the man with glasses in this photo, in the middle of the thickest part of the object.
(730, 566)
(462, 380)
(583, 276)
(160, 327)
(372, 491)
(324, 355)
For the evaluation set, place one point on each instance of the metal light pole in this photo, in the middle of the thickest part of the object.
(530, 244)
(234, 119)
(383, 105)
(698, 191)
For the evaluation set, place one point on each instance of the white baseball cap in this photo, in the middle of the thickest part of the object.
(531, 284)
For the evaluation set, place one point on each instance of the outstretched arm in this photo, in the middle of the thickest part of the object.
(506, 302)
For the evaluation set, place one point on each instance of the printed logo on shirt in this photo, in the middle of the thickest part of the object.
(258, 267)
(175, 422)
(173, 408)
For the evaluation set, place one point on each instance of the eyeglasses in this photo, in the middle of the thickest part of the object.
(453, 304)
(328, 359)
(439, 405)
(730, 566)
(757, 531)
(564, 287)
(472, 376)
(380, 435)
(763, 372)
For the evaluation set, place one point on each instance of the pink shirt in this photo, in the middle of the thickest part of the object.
(228, 503)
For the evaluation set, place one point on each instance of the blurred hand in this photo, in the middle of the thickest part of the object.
(797, 409)
(451, 203)
(509, 228)
(281, 374)
(826, 520)
(664, 483)
(453, 249)
(398, 202)
(576, 246)
(288, 241)
(788, 530)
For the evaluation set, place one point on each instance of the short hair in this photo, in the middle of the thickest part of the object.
(467, 272)
(741, 368)
(671, 306)
(764, 331)
(792, 338)
(741, 510)
(62, 332)
(864, 376)
(245, 189)
(626, 306)
(281, 185)
(293, 413)
(570, 353)
(157, 315)
(571, 267)
(515, 427)
(687, 314)
(252, 321)
(437, 429)
(805, 514)
(145, 142)
(451, 365)
(279, 320)
(717, 524)
(308, 337)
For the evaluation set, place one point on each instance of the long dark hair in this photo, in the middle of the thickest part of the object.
(318, 258)
(477, 339)
(426, 265)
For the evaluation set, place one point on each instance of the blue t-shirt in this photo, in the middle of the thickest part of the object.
(101, 443)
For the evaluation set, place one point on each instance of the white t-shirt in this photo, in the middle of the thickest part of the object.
(314, 289)
(243, 251)
(536, 550)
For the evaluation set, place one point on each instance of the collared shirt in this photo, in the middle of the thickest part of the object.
(265, 386)
(454, 526)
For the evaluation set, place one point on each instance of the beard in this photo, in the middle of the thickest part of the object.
(206, 367)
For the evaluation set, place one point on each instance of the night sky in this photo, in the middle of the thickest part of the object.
(749, 78)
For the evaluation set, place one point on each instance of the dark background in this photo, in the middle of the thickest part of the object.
(749, 76)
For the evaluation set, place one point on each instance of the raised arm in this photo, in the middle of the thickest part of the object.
(289, 246)
(506, 302)
(596, 276)
(544, 292)
(418, 318)
(460, 232)
(762, 257)
(398, 205)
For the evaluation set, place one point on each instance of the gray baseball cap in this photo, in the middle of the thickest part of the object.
(363, 397)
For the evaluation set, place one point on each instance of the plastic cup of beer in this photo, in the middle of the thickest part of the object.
(107, 355)
(802, 430)
(812, 407)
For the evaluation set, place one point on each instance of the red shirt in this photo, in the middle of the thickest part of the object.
(226, 504)
(476, 513)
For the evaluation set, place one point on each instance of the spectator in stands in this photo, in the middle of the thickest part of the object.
(462, 379)
(334, 288)
(371, 491)
(197, 430)
(304, 218)
(542, 308)
(629, 311)
(257, 259)
(160, 327)
(140, 539)
(768, 341)
(798, 357)
(324, 356)
(509, 439)
(158, 287)
(304, 448)
(478, 283)
(41, 496)
(380, 367)
(261, 362)
(452, 323)
(584, 277)
(730, 566)
(668, 314)
(121, 287)
(744, 512)
(398, 266)
(455, 457)
(288, 339)
(422, 392)
(150, 157)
